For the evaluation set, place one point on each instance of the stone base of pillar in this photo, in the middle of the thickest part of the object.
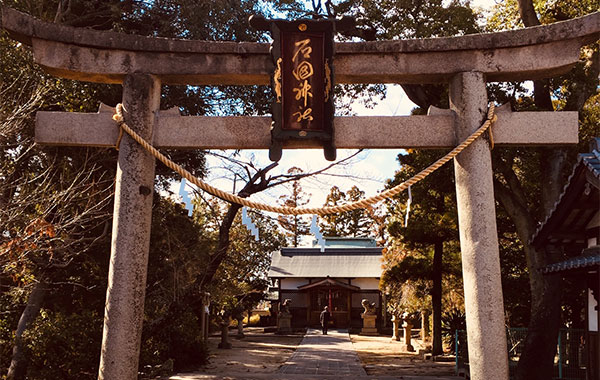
(284, 324)
(368, 331)
(407, 348)
(225, 344)
(369, 324)
(396, 328)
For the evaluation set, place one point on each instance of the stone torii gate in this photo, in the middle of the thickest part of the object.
(142, 64)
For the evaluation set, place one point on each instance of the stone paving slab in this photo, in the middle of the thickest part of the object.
(320, 354)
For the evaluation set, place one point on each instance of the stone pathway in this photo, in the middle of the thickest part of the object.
(319, 354)
(318, 357)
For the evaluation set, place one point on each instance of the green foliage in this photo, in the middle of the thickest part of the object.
(6, 339)
(355, 223)
(452, 320)
(515, 275)
(432, 214)
(406, 278)
(181, 341)
(410, 268)
(178, 253)
(295, 226)
(392, 19)
(64, 346)
(505, 14)
(240, 281)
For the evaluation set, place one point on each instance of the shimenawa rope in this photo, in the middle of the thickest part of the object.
(363, 203)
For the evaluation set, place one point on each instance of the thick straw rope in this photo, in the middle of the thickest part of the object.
(363, 203)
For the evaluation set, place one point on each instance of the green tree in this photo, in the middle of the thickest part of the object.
(240, 281)
(256, 180)
(358, 221)
(333, 224)
(54, 203)
(295, 226)
(353, 223)
(432, 222)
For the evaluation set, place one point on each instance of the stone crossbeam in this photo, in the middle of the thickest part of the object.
(249, 132)
(101, 56)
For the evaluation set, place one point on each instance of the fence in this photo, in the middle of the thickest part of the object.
(569, 362)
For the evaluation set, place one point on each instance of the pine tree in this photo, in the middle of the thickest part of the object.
(295, 225)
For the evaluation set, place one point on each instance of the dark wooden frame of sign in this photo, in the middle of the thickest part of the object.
(323, 131)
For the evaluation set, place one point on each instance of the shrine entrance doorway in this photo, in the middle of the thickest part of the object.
(333, 293)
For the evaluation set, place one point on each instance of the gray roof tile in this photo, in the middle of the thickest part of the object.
(334, 262)
(591, 161)
(579, 262)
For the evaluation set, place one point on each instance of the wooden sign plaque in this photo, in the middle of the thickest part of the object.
(302, 82)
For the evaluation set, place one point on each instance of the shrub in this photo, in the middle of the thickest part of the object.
(64, 346)
(452, 321)
(6, 345)
(180, 342)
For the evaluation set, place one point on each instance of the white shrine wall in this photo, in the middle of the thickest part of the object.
(592, 312)
(368, 283)
(592, 303)
(292, 283)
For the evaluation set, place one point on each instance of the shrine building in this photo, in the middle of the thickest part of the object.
(340, 276)
(573, 229)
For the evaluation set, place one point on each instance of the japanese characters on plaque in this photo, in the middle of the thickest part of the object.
(304, 89)
(302, 82)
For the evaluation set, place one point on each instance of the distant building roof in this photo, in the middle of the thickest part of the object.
(343, 242)
(577, 204)
(333, 262)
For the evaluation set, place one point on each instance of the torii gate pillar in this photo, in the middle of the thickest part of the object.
(123, 311)
(484, 304)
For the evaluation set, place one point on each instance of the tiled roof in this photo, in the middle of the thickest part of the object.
(592, 159)
(334, 262)
(580, 262)
(586, 162)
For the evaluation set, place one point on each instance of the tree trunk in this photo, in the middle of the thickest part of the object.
(18, 364)
(527, 12)
(537, 358)
(250, 188)
(225, 344)
(223, 246)
(436, 298)
(240, 327)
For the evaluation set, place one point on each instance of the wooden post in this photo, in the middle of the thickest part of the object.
(309, 307)
(349, 303)
(484, 305)
(124, 310)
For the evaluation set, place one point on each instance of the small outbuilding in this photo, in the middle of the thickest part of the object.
(340, 276)
(573, 226)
